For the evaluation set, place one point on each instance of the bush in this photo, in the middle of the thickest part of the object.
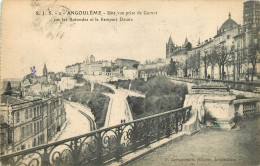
(99, 104)
(161, 95)
(121, 83)
(96, 101)
(240, 97)
(102, 88)
(136, 105)
(79, 78)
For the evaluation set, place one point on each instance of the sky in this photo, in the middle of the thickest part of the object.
(31, 40)
(0, 21)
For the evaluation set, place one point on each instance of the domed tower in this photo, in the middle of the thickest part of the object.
(169, 48)
(227, 25)
(92, 59)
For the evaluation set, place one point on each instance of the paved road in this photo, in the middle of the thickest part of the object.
(212, 146)
(118, 108)
(132, 93)
(77, 123)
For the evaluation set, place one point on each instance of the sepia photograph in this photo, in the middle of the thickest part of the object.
(130, 83)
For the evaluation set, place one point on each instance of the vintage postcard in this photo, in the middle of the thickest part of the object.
(158, 82)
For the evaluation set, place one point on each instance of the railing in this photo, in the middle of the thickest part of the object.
(240, 85)
(104, 145)
(244, 107)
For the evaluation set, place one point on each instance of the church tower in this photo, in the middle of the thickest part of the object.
(169, 48)
(185, 42)
(44, 70)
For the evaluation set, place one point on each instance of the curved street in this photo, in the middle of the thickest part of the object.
(77, 123)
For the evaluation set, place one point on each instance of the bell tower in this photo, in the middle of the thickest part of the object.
(169, 48)
(44, 71)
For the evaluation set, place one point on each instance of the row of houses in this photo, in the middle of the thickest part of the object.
(153, 68)
(106, 70)
(33, 113)
(233, 53)
(26, 123)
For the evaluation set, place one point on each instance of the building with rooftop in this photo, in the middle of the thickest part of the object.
(29, 122)
(228, 54)
(125, 62)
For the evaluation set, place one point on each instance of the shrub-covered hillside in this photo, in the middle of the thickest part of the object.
(161, 95)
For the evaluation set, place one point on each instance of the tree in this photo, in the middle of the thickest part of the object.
(224, 58)
(185, 70)
(193, 63)
(79, 78)
(252, 55)
(205, 60)
(233, 62)
(135, 65)
(240, 60)
(189, 46)
(172, 68)
(163, 69)
(226, 53)
(220, 55)
(8, 89)
(147, 61)
(159, 60)
(215, 58)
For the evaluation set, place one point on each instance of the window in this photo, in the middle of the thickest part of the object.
(44, 110)
(43, 138)
(34, 111)
(34, 127)
(2, 118)
(37, 111)
(26, 131)
(34, 142)
(17, 117)
(31, 113)
(2, 137)
(47, 108)
(26, 114)
(228, 36)
(40, 125)
(22, 147)
(22, 133)
(10, 137)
